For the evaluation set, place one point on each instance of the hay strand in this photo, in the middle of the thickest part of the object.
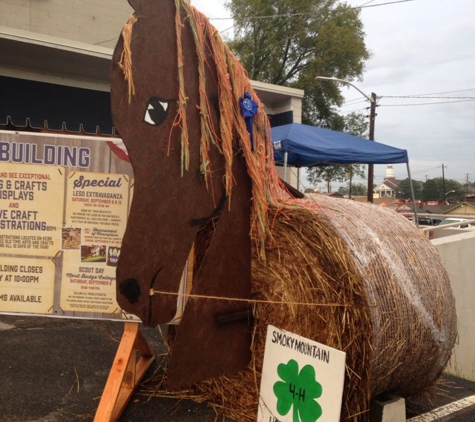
(125, 62)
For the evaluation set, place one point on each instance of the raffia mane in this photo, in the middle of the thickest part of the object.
(233, 82)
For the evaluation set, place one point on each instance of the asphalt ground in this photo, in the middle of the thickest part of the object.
(54, 370)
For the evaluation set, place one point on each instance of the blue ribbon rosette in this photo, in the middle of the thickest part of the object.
(248, 110)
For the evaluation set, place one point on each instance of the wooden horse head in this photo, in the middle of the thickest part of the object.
(175, 91)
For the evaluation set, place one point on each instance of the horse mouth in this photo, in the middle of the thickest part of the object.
(156, 111)
(132, 290)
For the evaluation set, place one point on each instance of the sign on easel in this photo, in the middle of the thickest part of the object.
(63, 214)
(302, 380)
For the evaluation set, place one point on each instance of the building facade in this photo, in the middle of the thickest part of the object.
(389, 188)
(54, 68)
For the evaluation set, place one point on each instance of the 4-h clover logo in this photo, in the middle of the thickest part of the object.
(298, 390)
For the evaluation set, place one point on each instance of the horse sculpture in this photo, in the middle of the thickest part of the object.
(260, 256)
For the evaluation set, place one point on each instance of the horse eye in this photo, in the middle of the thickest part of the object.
(156, 111)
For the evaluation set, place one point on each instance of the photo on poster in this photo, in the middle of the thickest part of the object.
(71, 238)
(113, 253)
(93, 253)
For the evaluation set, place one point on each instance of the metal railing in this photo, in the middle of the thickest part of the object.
(463, 225)
(469, 220)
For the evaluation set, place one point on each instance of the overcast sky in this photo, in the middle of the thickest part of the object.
(420, 48)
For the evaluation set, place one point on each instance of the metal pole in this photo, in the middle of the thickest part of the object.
(372, 118)
(325, 78)
(286, 156)
(443, 185)
(414, 206)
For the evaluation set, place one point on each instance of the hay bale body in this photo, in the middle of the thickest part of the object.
(413, 320)
(359, 278)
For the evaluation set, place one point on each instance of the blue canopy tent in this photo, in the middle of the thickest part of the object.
(301, 145)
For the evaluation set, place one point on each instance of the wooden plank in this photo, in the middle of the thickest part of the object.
(189, 275)
(126, 373)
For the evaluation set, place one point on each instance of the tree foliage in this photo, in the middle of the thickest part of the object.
(405, 189)
(433, 190)
(338, 173)
(291, 42)
(358, 189)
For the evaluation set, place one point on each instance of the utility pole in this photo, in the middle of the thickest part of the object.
(372, 119)
(443, 181)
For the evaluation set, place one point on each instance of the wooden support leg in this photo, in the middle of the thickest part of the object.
(125, 374)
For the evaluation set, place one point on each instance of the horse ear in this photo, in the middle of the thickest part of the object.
(136, 4)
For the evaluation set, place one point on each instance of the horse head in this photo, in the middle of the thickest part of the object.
(175, 108)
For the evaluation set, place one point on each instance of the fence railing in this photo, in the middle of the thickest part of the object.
(432, 227)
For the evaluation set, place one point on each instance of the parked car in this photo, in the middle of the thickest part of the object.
(428, 221)
(425, 221)
(452, 220)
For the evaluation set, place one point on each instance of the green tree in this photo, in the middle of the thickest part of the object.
(326, 174)
(291, 42)
(343, 190)
(360, 189)
(433, 190)
(405, 189)
(356, 124)
(336, 173)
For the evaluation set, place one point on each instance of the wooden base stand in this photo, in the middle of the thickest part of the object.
(125, 374)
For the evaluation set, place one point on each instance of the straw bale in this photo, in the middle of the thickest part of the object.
(356, 277)
(407, 287)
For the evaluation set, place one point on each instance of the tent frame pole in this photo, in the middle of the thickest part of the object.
(414, 206)
(286, 156)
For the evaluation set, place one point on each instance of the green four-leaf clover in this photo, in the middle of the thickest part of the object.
(298, 389)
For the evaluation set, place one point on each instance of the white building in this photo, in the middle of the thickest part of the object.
(389, 188)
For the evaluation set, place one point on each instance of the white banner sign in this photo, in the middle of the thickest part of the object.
(302, 380)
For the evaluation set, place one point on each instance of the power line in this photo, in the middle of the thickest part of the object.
(446, 92)
(368, 2)
(384, 4)
(431, 96)
(354, 102)
(421, 104)
(426, 97)
(310, 13)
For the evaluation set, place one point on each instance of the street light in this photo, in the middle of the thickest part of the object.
(445, 195)
(372, 118)
(325, 78)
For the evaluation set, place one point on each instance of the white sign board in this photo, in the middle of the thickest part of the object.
(302, 380)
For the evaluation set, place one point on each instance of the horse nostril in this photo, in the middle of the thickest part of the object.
(130, 288)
